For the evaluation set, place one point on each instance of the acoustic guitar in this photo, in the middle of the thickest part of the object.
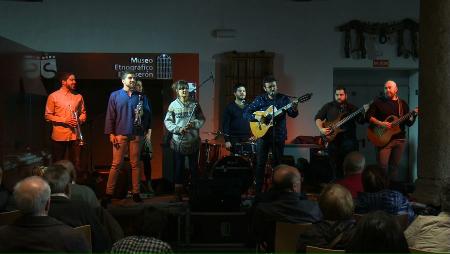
(259, 128)
(380, 135)
(336, 124)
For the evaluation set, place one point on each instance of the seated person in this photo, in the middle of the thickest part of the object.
(335, 230)
(148, 227)
(286, 206)
(378, 232)
(85, 194)
(35, 231)
(78, 191)
(377, 196)
(432, 233)
(353, 166)
(73, 212)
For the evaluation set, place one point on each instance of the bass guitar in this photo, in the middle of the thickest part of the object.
(381, 135)
(259, 128)
(335, 125)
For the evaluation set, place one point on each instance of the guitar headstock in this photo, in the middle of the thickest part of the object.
(303, 98)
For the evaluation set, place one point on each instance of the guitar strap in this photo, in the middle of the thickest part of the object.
(400, 108)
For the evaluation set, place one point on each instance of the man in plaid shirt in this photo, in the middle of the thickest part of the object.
(377, 196)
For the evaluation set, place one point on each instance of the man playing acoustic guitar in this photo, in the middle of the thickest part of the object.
(387, 132)
(272, 139)
(341, 139)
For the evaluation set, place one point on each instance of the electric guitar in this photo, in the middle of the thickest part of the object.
(335, 125)
(380, 135)
(259, 128)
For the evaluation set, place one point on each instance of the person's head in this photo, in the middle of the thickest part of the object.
(390, 89)
(239, 92)
(138, 86)
(181, 88)
(287, 178)
(378, 232)
(354, 163)
(128, 80)
(374, 179)
(58, 177)
(270, 85)
(151, 223)
(445, 194)
(67, 80)
(70, 167)
(336, 203)
(340, 94)
(32, 196)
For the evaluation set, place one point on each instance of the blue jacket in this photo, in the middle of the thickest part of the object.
(120, 114)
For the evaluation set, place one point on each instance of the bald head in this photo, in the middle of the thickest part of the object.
(32, 196)
(390, 90)
(286, 178)
(354, 163)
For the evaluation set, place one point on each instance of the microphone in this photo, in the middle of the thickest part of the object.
(212, 77)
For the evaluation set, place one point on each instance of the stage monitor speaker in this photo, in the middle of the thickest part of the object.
(216, 195)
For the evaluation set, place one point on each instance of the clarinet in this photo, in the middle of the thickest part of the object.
(138, 112)
(190, 118)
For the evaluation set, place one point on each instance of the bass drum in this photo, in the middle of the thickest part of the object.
(236, 169)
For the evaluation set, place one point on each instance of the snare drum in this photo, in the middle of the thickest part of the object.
(236, 168)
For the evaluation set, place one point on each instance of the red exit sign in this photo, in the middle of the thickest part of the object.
(380, 63)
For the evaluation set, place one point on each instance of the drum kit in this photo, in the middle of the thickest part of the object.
(215, 161)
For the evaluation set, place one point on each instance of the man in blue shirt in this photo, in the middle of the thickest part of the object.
(275, 137)
(127, 121)
(235, 127)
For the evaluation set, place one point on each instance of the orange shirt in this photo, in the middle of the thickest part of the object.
(60, 106)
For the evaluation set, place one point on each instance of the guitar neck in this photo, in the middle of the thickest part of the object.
(347, 118)
(403, 118)
(280, 110)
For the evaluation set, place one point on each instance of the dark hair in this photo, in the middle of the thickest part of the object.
(179, 84)
(374, 179)
(58, 177)
(63, 76)
(378, 232)
(340, 88)
(236, 86)
(125, 73)
(336, 203)
(268, 79)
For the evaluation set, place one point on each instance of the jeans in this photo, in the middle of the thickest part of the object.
(389, 157)
(133, 144)
(180, 166)
(262, 151)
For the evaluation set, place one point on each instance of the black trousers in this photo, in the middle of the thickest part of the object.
(337, 150)
(263, 147)
(73, 151)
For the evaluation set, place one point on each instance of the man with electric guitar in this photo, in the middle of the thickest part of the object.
(388, 116)
(268, 125)
(336, 122)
